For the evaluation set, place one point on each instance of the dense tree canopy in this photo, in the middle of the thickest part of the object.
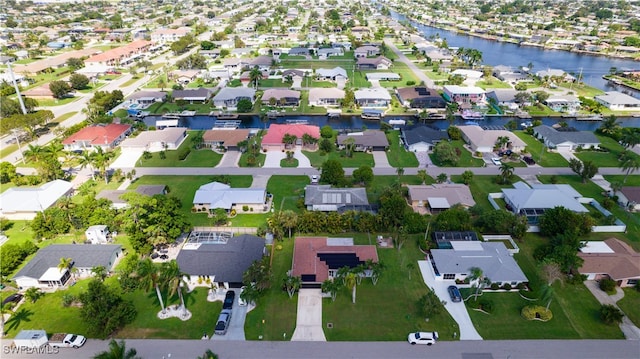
(103, 309)
(332, 173)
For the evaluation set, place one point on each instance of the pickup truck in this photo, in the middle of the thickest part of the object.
(64, 340)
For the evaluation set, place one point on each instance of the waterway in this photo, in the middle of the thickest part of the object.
(502, 53)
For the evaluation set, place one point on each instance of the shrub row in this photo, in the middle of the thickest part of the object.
(184, 152)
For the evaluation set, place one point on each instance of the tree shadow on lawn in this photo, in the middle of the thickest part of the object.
(22, 315)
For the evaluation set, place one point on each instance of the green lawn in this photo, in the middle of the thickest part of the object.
(272, 83)
(172, 107)
(56, 102)
(630, 304)
(466, 159)
(197, 158)
(286, 191)
(356, 160)
(6, 150)
(582, 90)
(603, 159)
(184, 187)
(300, 63)
(289, 162)
(481, 186)
(494, 83)
(544, 111)
(381, 183)
(539, 153)
(18, 231)
(397, 155)
(64, 117)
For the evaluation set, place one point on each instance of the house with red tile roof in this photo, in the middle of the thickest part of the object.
(105, 136)
(120, 56)
(612, 259)
(316, 259)
(273, 140)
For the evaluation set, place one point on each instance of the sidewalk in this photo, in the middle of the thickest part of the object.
(630, 330)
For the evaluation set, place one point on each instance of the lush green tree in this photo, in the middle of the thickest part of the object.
(332, 173)
(445, 153)
(103, 309)
(560, 220)
(349, 99)
(501, 222)
(59, 89)
(456, 218)
(174, 280)
(292, 284)
(442, 178)
(78, 81)
(326, 131)
(610, 127)
(332, 287)
(244, 105)
(629, 162)
(13, 254)
(506, 171)
(429, 305)
(259, 273)
(363, 175)
(75, 63)
(33, 294)
(289, 220)
(250, 293)
(150, 276)
(208, 354)
(422, 174)
(611, 314)
(630, 137)
(118, 350)
(193, 61)
(585, 170)
(326, 145)
(7, 172)
(103, 101)
(392, 208)
(467, 177)
(99, 272)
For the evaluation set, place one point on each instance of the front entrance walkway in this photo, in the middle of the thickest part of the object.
(630, 330)
(457, 310)
(380, 159)
(309, 320)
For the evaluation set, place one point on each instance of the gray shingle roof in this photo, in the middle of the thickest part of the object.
(368, 138)
(424, 134)
(555, 137)
(227, 262)
(324, 194)
(83, 256)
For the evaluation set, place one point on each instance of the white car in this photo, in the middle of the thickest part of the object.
(496, 161)
(241, 302)
(428, 338)
(314, 179)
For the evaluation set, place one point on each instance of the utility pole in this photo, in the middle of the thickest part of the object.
(15, 86)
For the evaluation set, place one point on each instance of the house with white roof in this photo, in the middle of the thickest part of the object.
(23, 203)
(618, 101)
(214, 195)
(373, 97)
(464, 96)
(331, 96)
(169, 138)
(440, 196)
(563, 103)
(493, 258)
(566, 139)
(328, 199)
(481, 140)
(331, 74)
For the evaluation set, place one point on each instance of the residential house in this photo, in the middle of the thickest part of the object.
(228, 97)
(420, 97)
(234, 65)
(120, 56)
(464, 96)
(115, 196)
(146, 98)
(184, 77)
(468, 74)
(225, 138)
(169, 138)
(324, 198)
(366, 51)
(331, 74)
(320, 96)
(368, 140)
(610, 259)
(503, 98)
(493, 258)
(551, 73)
(326, 52)
(199, 95)
(618, 101)
(275, 134)
(42, 270)
(23, 203)
(382, 76)
(106, 136)
(221, 263)
(263, 63)
(373, 97)
(214, 195)
(563, 103)
(299, 51)
(422, 138)
(481, 140)
(509, 74)
(443, 239)
(567, 138)
(316, 259)
(629, 197)
(98, 234)
(163, 35)
(532, 201)
(375, 63)
(440, 197)
(283, 97)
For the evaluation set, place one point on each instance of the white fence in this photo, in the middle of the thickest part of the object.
(503, 237)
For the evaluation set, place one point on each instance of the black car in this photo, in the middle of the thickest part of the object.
(528, 160)
(454, 293)
(228, 300)
(13, 298)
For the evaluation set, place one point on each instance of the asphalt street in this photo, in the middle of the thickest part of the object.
(516, 349)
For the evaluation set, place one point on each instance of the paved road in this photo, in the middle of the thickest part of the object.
(402, 58)
(520, 349)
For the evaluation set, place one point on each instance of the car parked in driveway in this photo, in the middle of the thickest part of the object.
(228, 300)
(222, 325)
(428, 338)
(454, 293)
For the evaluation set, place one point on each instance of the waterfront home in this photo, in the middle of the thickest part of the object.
(169, 138)
(219, 263)
(618, 101)
(464, 96)
(629, 197)
(369, 140)
(563, 103)
(493, 258)
(325, 198)
(420, 97)
(214, 195)
(228, 97)
(532, 201)
(331, 74)
(366, 51)
(484, 141)
(439, 197)
(555, 73)
(200, 95)
(567, 139)
(43, 270)
(225, 138)
(509, 74)
(164, 35)
(504, 98)
(319, 96)
(282, 97)
(373, 97)
(375, 63)
(146, 98)
(273, 140)
(23, 203)
(316, 259)
(106, 136)
(610, 259)
(423, 138)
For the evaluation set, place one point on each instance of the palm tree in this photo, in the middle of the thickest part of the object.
(630, 138)
(101, 159)
(99, 272)
(349, 145)
(307, 139)
(117, 350)
(209, 355)
(609, 126)
(56, 149)
(376, 271)
(292, 284)
(506, 171)
(250, 293)
(33, 294)
(502, 141)
(422, 174)
(350, 281)
(65, 263)
(289, 219)
(289, 139)
(174, 278)
(410, 267)
(629, 162)
(34, 152)
(149, 275)
(481, 281)
(86, 160)
(331, 287)
(254, 75)
(400, 171)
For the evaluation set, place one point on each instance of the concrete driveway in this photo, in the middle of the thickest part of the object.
(273, 159)
(230, 159)
(303, 161)
(236, 327)
(380, 159)
(127, 158)
(309, 319)
(457, 310)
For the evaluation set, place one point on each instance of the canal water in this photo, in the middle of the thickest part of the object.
(501, 53)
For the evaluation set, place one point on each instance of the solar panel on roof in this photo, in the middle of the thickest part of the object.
(339, 260)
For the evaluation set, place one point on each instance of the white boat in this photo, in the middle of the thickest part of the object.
(471, 115)
(397, 122)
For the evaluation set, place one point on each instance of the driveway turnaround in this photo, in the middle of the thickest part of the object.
(309, 320)
(303, 161)
(457, 310)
